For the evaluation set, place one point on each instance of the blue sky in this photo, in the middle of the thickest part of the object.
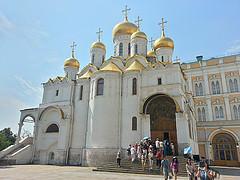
(35, 37)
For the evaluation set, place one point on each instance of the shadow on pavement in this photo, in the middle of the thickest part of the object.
(228, 171)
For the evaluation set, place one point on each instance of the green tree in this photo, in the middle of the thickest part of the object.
(7, 138)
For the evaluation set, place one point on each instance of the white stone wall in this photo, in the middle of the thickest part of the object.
(125, 39)
(141, 46)
(164, 54)
(99, 56)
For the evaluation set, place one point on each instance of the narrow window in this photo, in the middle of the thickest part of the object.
(93, 57)
(231, 85)
(129, 49)
(196, 89)
(200, 88)
(134, 123)
(235, 112)
(121, 49)
(239, 111)
(134, 86)
(213, 88)
(199, 115)
(100, 86)
(221, 114)
(159, 81)
(162, 59)
(235, 85)
(52, 128)
(57, 92)
(217, 87)
(81, 92)
(135, 49)
(203, 114)
(103, 58)
(216, 113)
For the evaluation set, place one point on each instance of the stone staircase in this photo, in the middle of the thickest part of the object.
(136, 168)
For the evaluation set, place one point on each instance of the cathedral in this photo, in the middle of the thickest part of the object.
(90, 113)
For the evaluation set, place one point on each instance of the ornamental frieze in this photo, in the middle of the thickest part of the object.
(199, 102)
(217, 100)
(214, 76)
(197, 78)
(232, 74)
(234, 99)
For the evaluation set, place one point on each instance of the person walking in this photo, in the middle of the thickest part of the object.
(118, 158)
(174, 167)
(129, 152)
(165, 167)
(190, 167)
(205, 173)
(133, 154)
(150, 159)
(158, 158)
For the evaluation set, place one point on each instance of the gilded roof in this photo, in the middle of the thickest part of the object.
(71, 62)
(86, 75)
(124, 28)
(111, 67)
(98, 45)
(135, 66)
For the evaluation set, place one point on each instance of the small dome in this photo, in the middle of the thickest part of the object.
(151, 53)
(71, 62)
(139, 34)
(124, 28)
(163, 42)
(98, 45)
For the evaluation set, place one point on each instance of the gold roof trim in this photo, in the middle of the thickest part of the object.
(86, 75)
(111, 67)
(135, 66)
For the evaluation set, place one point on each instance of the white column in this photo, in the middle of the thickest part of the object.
(146, 132)
(20, 125)
(224, 83)
(190, 84)
(206, 84)
(227, 109)
(210, 113)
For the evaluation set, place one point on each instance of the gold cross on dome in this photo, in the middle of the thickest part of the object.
(73, 48)
(138, 22)
(151, 42)
(162, 25)
(125, 11)
(99, 34)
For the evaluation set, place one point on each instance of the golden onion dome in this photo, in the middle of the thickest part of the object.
(98, 45)
(71, 62)
(151, 53)
(139, 34)
(163, 42)
(124, 28)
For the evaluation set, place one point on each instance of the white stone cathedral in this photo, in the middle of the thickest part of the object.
(89, 114)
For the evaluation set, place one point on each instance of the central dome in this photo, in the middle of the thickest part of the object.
(124, 28)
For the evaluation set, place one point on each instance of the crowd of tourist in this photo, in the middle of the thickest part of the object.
(149, 152)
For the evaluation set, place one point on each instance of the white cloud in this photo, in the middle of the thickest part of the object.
(28, 87)
(6, 24)
(235, 48)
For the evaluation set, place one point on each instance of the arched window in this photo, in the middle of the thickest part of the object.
(121, 49)
(53, 128)
(213, 88)
(135, 49)
(200, 89)
(134, 86)
(134, 123)
(221, 114)
(93, 57)
(100, 86)
(216, 113)
(231, 85)
(103, 58)
(217, 87)
(51, 156)
(203, 114)
(235, 112)
(196, 89)
(235, 85)
(129, 49)
(199, 115)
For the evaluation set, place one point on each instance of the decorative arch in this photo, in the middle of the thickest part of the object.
(151, 97)
(59, 110)
(52, 128)
(211, 135)
(28, 115)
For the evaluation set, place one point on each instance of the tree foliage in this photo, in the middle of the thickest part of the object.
(7, 138)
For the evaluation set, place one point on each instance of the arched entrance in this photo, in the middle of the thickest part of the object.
(224, 149)
(162, 109)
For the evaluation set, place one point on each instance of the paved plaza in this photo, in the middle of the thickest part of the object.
(47, 172)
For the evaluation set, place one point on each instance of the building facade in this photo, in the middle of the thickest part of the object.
(88, 115)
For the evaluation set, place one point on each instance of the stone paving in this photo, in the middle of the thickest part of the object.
(47, 172)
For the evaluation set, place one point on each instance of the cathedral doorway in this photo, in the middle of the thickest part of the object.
(224, 149)
(162, 110)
